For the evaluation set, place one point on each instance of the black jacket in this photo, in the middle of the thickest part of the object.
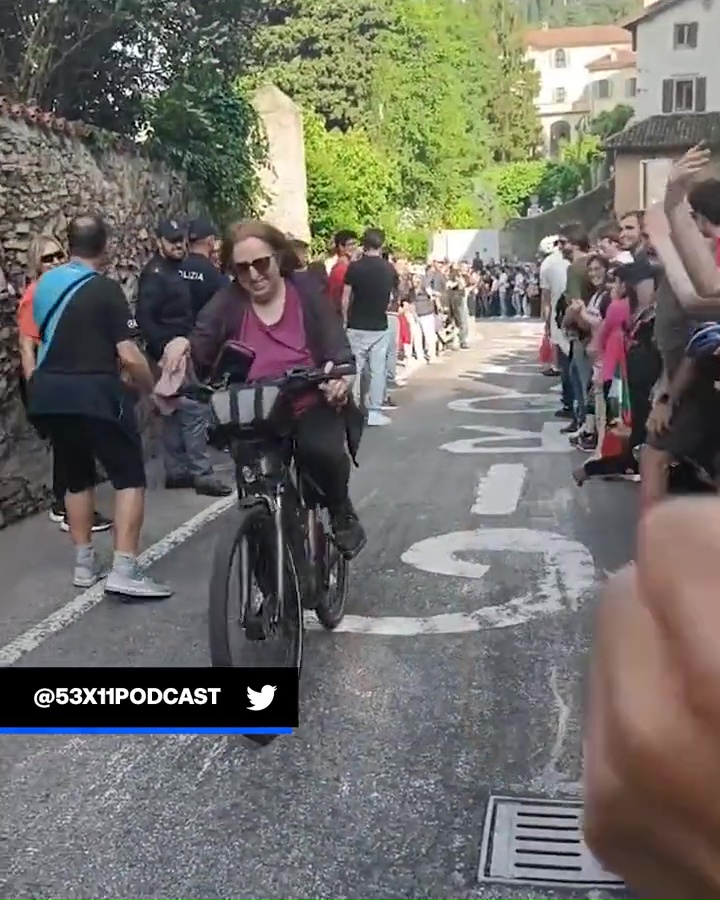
(203, 280)
(164, 307)
(221, 320)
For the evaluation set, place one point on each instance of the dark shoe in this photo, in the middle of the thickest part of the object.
(564, 414)
(588, 443)
(570, 428)
(464, 346)
(179, 482)
(349, 534)
(211, 487)
(100, 523)
(389, 404)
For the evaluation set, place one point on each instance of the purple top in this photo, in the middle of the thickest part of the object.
(281, 346)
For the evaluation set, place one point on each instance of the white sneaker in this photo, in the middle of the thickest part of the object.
(377, 418)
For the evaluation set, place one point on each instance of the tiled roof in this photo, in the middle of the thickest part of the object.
(653, 9)
(48, 121)
(622, 59)
(580, 36)
(677, 132)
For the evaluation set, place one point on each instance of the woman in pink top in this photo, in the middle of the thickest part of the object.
(609, 348)
(283, 316)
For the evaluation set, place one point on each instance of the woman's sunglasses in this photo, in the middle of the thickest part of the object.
(57, 256)
(261, 265)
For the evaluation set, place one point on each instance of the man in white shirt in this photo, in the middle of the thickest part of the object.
(553, 281)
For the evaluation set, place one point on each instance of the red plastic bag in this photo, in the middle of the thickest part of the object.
(546, 351)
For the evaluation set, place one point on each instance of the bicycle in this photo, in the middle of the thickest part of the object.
(282, 539)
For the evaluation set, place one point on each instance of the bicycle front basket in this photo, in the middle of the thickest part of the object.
(245, 407)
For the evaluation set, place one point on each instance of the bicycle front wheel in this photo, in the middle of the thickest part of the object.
(250, 625)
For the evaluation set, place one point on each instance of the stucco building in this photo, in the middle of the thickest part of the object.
(562, 56)
(677, 101)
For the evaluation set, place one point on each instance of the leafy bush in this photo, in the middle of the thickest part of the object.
(211, 132)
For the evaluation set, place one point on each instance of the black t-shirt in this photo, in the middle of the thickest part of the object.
(93, 323)
(203, 278)
(79, 373)
(373, 280)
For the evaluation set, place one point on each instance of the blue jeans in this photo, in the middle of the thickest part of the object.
(392, 349)
(370, 348)
(580, 375)
(184, 441)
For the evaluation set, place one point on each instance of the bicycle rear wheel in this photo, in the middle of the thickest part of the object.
(262, 633)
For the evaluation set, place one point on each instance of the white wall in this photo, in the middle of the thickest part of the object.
(574, 78)
(657, 59)
(618, 79)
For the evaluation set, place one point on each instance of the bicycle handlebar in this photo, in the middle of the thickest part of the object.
(294, 378)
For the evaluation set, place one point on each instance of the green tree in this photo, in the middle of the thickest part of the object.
(558, 13)
(322, 53)
(351, 184)
(210, 131)
(417, 112)
(97, 60)
(515, 183)
(511, 107)
(610, 121)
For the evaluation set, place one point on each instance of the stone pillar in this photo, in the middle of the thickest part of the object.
(284, 177)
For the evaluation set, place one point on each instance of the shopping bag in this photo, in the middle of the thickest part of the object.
(546, 353)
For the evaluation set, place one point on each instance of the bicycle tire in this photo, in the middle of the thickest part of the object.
(256, 523)
(331, 600)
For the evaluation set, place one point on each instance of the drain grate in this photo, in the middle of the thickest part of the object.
(538, 842)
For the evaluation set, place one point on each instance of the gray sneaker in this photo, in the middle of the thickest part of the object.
(136, 585)
(86, 576)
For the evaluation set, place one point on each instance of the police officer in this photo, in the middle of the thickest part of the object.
(202, 276)
(165, 311)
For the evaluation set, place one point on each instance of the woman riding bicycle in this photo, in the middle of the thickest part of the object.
(286, 323)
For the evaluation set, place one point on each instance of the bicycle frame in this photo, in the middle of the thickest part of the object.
(265, 472)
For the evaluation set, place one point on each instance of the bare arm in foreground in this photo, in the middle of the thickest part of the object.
(652, 742)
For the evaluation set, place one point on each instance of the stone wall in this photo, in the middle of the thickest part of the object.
(284, 179)
(50, 171)
(593, 210)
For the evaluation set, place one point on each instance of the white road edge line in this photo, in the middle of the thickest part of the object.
(498, 492)
(82, 603)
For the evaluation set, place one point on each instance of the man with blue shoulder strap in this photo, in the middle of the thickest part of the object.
(79, 399)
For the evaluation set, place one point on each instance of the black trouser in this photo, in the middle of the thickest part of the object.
(59, 482)
(320, 451)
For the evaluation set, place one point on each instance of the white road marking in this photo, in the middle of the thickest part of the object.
(511, 369)
(568, 576)
(528, 403)
(551, 440)
(82, 603)
(498, 492)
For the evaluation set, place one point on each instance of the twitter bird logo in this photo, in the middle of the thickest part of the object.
(261, 699)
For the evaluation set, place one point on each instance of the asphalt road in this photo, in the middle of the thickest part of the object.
(459, 673)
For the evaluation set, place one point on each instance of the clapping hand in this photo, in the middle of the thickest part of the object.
(683, 173)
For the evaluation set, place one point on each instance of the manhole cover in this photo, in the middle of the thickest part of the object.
(538, 842)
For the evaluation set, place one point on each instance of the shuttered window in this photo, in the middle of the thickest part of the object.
(668, 89)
